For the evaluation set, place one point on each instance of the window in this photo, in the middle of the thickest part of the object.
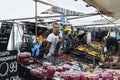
(69, 12)
(74, 13)
(62, 10)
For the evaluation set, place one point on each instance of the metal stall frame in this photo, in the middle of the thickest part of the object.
(36, 17)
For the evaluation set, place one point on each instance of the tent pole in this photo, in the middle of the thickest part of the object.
(36, 18)
(82, 16)
(13, 37)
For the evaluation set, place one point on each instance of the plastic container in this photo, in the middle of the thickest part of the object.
(93, 77)
(75, 76)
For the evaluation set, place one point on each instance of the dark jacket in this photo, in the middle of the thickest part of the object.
(112, 42)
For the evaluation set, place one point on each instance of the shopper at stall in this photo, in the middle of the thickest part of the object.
(52, 40)
(99, 35)
(111, 44)
(118, 35)
(111, 32)
(36, 50)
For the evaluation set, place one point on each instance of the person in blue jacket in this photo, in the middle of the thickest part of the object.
(36, 50)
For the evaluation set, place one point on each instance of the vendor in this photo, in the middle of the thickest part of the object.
(52, 40)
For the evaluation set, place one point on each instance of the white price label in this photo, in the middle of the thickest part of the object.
(13, 66)
(14, 78)
(6, 65)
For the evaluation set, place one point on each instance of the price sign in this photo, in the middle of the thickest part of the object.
(8, 65)
(5, 32)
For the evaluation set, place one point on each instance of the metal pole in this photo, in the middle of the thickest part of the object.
(17, 19)
(63, 37)
(81, 16)
(13, 37)
(36, 18)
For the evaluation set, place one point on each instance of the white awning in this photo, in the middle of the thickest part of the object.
(107, 7)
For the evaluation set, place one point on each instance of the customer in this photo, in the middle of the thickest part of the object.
(112, 47)
(118, 35)
(99, 35)
(52, 40)
(111, 44)
(111, 32)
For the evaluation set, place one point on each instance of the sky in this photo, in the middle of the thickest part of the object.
(10, 9)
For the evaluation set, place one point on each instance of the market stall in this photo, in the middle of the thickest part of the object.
(77, 57)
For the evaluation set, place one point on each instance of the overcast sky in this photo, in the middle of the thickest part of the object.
(10, 9)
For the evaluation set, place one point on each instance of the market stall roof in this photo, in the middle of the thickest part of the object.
(75, 20)
(78, 6)
(107, 7)
(108, 21)
(15, 13)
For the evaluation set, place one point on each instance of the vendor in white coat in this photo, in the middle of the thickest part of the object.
(52, 40)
